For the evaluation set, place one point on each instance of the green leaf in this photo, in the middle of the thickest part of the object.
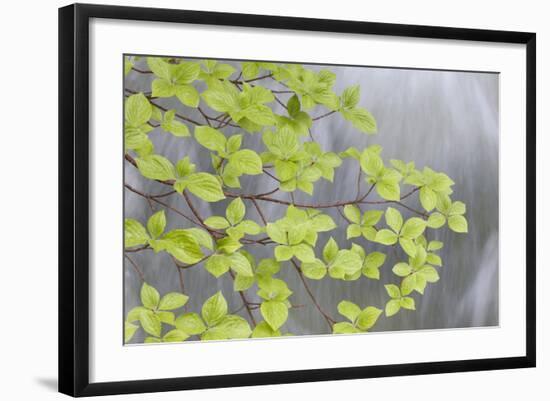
(175, 335)
(275, 313)
(264, 330)
(232, 326)
(243, 283)
(241, 265)
(350, 97)
(458, 224)
(346, 261)
(228, 245)
(217, 265)
(276, 233)
(247, 162)
(322, 223)
(160, 67)
(371, 217)
(150, 322)
(389, 190)
(436, 220)
(353, 231)
(156, 224)
(273, 289)
(156, 167)
(407, 303)
(330, 250)
(393, 290)
(352, 213)
(386, 237)
(371, 163)
(190, 323)
(249, 227)
(223, 100)
(457, 208)
(214, 309)
(234, 143)
(344, 328)
(361, 119)
(216, 222)
(402, 269)
(413, 228)
(172, 300)
(392, 307)
(304, 253)
(188, 95)
(133, 315)
(181, 244)
(149, 296)
(283, 253)
(205, 186)
(433, 259)
(185, 73)
(134, 233)
(163, 88)
(137, 110)
(374, 260)
(173, 126)
(428, 198)
(408, 246)
(128, 64)
(210, 138)
(368, 317)
(394, 219)
(429, 273)
(166, 317)
(349, 310)
(129, 331)
(435, 245)
(315, 270)
(268, 266)
(235, 211)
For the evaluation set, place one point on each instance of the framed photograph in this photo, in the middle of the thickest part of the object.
(250, 199)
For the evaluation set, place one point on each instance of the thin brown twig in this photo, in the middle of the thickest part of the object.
(330, 321)
(136, 268)
(323, 115)
(259, 210)
(245, 301)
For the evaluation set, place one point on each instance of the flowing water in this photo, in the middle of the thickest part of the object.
(445, 120)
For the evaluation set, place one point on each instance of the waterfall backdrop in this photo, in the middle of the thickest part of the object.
(447, 120)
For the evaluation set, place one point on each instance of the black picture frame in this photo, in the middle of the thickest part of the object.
(74, 198)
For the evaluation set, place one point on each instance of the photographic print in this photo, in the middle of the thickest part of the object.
(273, 199)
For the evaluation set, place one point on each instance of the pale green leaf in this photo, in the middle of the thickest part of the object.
(392, 307)
(235, 211)
(172, 300)
(275, 313)
(205, 186)
(150, 323)
(214, 309)
(156, 167)
(190, 323)
(349, 310)
(210, 138)
(134, 233)
(368, 317)
(458, 224)
(149, 296)
(156, 224)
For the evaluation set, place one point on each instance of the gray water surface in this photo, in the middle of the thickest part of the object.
(445, 120)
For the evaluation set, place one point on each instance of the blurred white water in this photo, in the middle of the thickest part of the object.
(442, 119)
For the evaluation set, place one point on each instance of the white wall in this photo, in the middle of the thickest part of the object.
(28, 167)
